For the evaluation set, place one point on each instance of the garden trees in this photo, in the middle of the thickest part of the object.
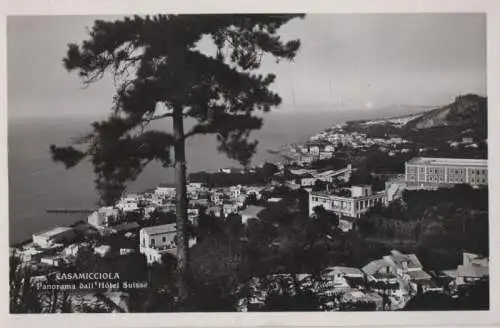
(160, 72)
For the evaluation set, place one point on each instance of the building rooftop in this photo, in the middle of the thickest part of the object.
(344, 270)
(374, 266)
(419, 275)
(398, 258)
(448, 161)
(164, 228)
(252, 211)
(472, 271)
(52, 232)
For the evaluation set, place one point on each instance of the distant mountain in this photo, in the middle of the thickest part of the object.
(467, 112)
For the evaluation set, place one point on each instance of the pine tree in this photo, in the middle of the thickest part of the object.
(160, 73)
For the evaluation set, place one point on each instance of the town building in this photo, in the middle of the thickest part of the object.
(214, 210)
(54, 260)
(306, 159)
(434, 172)
(155, 241)
(472, 269)
(343, 174)
(343, 271)
(53, 236)
(195, 186)
(103, 217)
(306, 180)
(352, 203)
(314, 150)
(381, 270)
(73, 249)
(325, 155)
(409, 268)
(229, 207)
(330, 148)
(165, 191)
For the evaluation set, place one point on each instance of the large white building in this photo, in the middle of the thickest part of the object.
(103, 217)
(426, 171)
(53, 236)
(356, 202)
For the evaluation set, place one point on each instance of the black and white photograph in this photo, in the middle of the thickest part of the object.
(248, 162)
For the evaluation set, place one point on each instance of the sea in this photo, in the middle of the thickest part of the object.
(37, 184)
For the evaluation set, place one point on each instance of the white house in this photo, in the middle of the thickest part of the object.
(330, 148)
(165, 191)
(103, 217)
(52, 260)
(128, 207)
(195, 186)
(351, 204)
(53, 236)
(314, 150)
(235, 191)
(229, 207)
(155, 241)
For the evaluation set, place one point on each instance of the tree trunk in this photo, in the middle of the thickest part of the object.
(181, 206)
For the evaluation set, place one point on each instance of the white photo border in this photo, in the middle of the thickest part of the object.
(347, 319)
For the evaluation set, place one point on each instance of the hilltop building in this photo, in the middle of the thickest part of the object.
(431, 172)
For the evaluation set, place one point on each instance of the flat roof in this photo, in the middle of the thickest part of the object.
(252, 210)
(164, 228)
(448, 161)
(52, 232)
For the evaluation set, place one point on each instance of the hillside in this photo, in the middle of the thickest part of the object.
(467, 112)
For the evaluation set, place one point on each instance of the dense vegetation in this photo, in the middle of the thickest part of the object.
(438, 225)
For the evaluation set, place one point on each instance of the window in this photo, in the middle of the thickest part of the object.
(163, 239)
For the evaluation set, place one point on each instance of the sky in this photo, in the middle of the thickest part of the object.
(346, 61)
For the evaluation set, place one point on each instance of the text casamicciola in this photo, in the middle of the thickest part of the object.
(88, 276)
